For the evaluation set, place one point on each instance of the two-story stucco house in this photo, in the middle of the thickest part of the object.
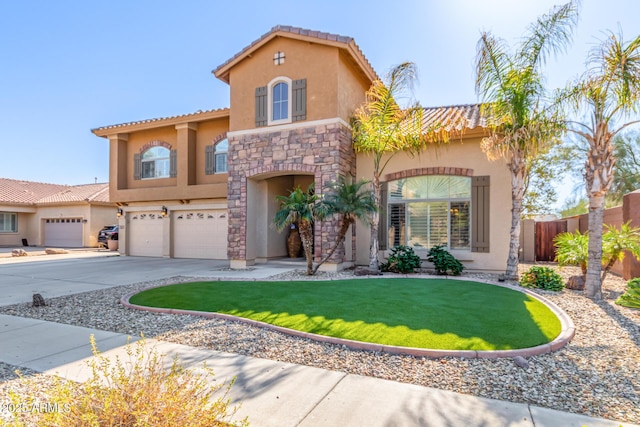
(203, 185)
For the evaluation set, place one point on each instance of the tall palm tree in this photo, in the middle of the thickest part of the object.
(382, 127)
(299, 208)
(522, 124)
(609, 92)
(349, 200)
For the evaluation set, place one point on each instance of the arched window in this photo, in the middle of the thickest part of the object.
(216, 156)
(220, 155)
(156, 163)
(280, 102)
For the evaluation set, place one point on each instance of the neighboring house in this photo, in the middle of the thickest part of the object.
(53, 215)
(203, 185)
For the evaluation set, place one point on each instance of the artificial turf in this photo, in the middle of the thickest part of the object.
(422, 313)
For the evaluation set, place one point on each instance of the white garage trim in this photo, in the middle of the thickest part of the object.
(200, 234)
(63, 232)
(145, 234)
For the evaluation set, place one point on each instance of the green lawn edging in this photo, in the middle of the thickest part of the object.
(419, 316)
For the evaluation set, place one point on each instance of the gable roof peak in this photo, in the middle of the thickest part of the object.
(342, 42)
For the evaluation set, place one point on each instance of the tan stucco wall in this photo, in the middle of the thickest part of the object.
(190, 140)
(351, 88)
(456, 155)
(208, 132)
(319, 64)
(15, 239)
(31, 225)
(137, 141)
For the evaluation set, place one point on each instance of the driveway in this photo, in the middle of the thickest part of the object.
(20, 278)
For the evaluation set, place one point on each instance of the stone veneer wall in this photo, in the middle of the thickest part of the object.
(324, 151)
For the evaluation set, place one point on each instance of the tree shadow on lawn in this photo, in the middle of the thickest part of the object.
(411, 313)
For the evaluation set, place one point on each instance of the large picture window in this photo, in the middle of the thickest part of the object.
(430, 210)
(8, 222)
(155, 163)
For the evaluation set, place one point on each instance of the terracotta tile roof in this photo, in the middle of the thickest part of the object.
(18, 192)
(222, 72)
(455, 117)
(197, 116)
(79, 193)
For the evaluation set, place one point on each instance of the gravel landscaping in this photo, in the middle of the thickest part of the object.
(597, 374)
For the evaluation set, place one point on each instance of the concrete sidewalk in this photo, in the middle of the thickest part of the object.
(282, 394)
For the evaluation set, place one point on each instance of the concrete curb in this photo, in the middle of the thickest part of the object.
(566, 334)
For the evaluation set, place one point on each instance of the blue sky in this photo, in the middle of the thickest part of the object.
(70, 66)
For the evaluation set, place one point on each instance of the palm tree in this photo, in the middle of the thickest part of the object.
(300, 208)
(382, 127)
(522, 125)
(351, 201)
(609, 92)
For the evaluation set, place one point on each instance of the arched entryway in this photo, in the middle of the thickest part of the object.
(264, 242)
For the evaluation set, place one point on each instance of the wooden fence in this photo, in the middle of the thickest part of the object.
(536, 238)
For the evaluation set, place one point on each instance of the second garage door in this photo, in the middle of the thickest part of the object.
(63, 232)
(200, 234)
(145, 234)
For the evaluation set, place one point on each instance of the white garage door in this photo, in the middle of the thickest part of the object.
(145, 234)
(200, 234)
(63, 232)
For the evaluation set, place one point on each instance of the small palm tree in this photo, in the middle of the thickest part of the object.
(571, 249)
(614, 244)
(351, 201)
(382, 127)
(300, 208)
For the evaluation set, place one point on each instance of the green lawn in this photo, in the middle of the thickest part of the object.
(423, 313)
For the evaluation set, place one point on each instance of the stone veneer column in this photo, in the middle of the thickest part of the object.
(323, 150)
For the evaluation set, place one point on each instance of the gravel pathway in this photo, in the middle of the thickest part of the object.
(597, 374)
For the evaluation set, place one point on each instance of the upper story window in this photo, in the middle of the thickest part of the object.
(281, 101)
(220, 154)
(216, 157)
(156, 163)
(8, 222)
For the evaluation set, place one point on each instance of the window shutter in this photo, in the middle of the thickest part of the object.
(299, 94)
(137, 166)
(383, 227)
(209, 167)
(173, 164)
(480, 214)
(261, 106)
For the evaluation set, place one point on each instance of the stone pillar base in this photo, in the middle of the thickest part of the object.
(240, 264)
(333, 268)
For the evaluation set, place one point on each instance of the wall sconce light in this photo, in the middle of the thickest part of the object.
(164, 211)
(119, 212)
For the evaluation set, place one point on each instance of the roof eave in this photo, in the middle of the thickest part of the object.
(200, 116)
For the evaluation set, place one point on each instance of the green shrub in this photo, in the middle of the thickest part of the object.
(631, 298)
(139, 391)
(401, 260)
(542, 278)
(443, 261)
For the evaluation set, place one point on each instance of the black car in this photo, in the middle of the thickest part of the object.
(107, 232)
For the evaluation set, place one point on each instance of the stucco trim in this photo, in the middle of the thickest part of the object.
(440, 170)
(288, 126)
